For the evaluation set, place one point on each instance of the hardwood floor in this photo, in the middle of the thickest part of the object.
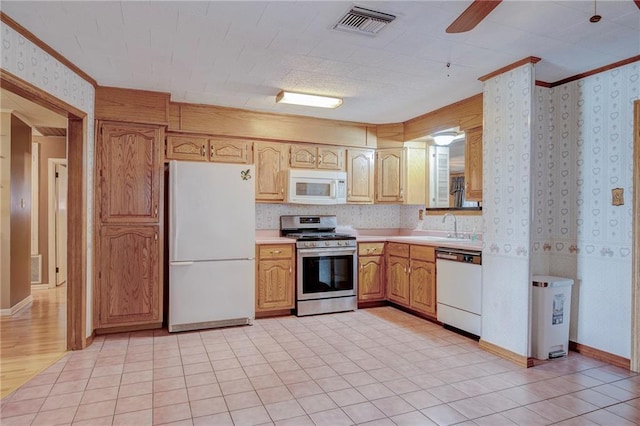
(33, 339)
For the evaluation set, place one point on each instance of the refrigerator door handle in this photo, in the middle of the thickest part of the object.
(186, 263)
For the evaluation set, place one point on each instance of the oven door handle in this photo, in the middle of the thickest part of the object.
(327, 251)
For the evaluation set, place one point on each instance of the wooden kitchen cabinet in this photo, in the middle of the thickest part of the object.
(398, 273)
(129, 290)
(360, 176)
(275, 277)
(230, 151)
(473, 164)
(390, 177)
(204, 148)
(183, 147)
(317, 157)
(129, 238)
(129, 172)
(401, 175)
(411, 277)
(371, 272)
(270, 165)
(422, 281)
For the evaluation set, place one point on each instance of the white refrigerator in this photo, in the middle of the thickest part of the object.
(211, 245)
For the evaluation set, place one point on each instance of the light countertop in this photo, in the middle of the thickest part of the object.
(429, 238)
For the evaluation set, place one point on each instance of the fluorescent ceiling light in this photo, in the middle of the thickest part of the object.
(308, 100)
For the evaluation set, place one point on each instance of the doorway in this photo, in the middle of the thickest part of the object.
(635, 274)
(58, 176)
(77, 129)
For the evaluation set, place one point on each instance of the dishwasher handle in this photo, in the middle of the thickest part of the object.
(462, 256)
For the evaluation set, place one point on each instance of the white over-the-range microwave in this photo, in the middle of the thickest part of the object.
(316, 186)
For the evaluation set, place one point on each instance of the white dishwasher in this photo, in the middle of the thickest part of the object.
(459, 289)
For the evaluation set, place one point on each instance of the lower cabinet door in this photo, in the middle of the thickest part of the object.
(275, 285)
(422, 283)
(398, 280)
(370, 278)
(129, 286)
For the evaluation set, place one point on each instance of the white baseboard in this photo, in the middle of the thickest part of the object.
(44, 286)
(17, 307)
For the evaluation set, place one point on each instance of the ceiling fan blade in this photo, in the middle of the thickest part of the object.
(476, 12)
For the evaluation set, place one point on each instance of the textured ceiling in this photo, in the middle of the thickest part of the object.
(242, 53)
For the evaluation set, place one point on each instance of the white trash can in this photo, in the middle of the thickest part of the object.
(551, 314)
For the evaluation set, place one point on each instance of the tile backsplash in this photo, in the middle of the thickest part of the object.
(378, 216)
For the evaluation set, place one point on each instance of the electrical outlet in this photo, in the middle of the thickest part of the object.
(420, 214)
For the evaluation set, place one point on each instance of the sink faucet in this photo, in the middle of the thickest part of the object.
(455, 224)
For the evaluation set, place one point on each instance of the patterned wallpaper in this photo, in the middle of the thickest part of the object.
(587, 150)
(24, 59)
(508, 106)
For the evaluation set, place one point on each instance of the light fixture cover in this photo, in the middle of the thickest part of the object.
(443, 140)
(308, 100)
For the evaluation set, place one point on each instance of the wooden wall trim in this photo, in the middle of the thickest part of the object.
(132, 106)
(596, 71)
(599, 355)
(77, 236)
(543, 84)
(466, 114)
(30, 92)
(635, 276)
(223, 121)
(529, 60)
(517, 359)
(44, 46)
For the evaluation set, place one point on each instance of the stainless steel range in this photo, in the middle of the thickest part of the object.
(326, 265)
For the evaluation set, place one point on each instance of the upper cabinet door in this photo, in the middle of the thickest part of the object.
(390, 179)
(270, 163)
(473, 165)
(129, 172)
(330, 158)
(230, 151)
(360, 175)
(303, 156)
(186, 148)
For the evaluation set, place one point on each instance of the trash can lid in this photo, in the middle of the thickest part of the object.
(550, 281)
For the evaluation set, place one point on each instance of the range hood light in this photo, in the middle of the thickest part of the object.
(308, 100)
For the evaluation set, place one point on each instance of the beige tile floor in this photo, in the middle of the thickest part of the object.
(377, 366)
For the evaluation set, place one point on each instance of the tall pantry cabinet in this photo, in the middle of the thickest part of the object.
(129, 206)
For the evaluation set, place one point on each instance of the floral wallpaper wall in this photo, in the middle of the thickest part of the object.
(589, 152)
(24, 59)
(508, 107)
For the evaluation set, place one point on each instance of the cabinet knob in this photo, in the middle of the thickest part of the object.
(276, 251)
(203, 150)
(155, 211)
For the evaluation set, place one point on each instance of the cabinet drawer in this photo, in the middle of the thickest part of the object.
(370, 249)
(423, 253)
(398, 249)
(275, 251)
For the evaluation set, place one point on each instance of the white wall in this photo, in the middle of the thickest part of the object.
(508, 104)
(24, 59)
(588, 150)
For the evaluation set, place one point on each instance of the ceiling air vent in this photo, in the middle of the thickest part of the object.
(363, 21)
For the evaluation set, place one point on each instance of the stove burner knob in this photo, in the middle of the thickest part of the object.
(314, 244)
(339, 243)
(307, 244)
(327, 243)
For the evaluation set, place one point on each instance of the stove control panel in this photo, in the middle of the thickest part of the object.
(326, 244)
